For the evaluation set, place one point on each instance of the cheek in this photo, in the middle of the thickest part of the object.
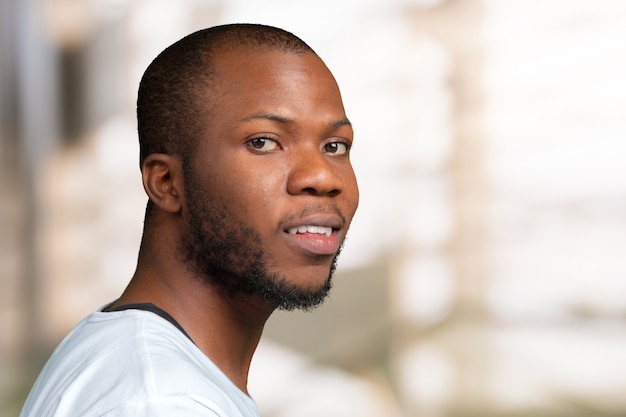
(272, 180)
(351, 206)
(266, 174)
(351, 192)
(254, 190)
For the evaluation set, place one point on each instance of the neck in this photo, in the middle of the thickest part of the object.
(226, 329)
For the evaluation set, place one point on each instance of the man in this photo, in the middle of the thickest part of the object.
(244, 147)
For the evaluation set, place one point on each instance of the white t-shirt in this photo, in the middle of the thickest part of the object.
(133, 363)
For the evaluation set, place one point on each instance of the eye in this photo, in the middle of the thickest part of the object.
(337, 148)
(263, 144)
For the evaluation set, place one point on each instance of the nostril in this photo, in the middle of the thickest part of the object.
(314, 191)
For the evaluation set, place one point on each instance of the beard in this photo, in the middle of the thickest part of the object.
(227, 255)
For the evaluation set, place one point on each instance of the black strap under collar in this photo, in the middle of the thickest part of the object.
(153, 309)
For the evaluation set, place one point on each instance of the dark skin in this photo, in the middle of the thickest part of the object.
(276, 156)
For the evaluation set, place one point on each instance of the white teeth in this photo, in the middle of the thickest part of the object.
(311, 229)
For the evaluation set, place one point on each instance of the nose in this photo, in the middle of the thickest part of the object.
(313, 173)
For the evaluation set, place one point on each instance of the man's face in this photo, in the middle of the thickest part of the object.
(270, 191)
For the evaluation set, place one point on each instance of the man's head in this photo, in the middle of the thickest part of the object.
(251, 123)
(177, 90)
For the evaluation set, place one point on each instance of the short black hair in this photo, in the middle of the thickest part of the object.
(174, 97)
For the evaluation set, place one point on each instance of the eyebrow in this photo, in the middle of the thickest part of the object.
(266, 116)
(342, 122)
(284, 120)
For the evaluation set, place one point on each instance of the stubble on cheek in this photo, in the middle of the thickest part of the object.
(223, 252)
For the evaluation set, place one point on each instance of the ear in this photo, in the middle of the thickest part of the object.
(163, 181)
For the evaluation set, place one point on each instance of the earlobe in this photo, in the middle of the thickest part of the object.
(162, 177)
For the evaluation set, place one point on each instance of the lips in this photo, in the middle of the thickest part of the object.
(315, 235)
(322, 230)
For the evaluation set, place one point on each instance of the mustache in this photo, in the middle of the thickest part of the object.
(313, 210)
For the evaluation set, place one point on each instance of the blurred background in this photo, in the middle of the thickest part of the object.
(485, 272)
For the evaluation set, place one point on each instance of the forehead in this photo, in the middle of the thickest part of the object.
(229, 58)
(244, 71)
(294, 86)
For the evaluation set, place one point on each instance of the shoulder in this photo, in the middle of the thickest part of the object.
(179, 406)
(114, 363)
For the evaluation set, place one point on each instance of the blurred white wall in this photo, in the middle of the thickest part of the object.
(484, 273)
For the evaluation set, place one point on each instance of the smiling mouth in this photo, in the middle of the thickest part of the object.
(320, 230)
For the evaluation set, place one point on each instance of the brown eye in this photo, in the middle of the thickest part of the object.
(263, 144)
(336, 148)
